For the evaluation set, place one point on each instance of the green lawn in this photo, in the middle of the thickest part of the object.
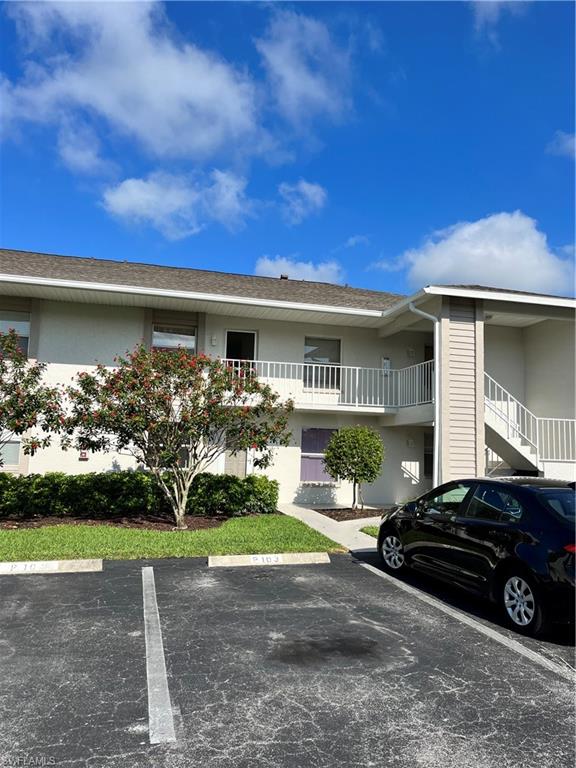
(243, 535)
(371, 530)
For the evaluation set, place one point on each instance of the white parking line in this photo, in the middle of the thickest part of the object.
(160, 718)
(508, 642)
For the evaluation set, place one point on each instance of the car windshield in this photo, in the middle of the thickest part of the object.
(560, 500)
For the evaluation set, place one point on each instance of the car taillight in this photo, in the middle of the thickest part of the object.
(570, 547)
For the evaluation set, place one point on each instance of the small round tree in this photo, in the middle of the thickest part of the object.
(355, 454)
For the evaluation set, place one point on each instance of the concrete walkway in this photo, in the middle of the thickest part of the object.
(342, 533)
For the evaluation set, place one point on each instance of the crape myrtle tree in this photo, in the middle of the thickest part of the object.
(355, 454)
(29, 408)
(175, 412)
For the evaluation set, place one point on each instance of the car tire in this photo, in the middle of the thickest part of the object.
(520, 603)
(391, 552)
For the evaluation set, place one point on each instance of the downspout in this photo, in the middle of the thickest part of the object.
(437, 474)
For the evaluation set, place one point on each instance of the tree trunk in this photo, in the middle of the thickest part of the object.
(177, 496)
(181, 523)
(179, 507)
(354, 505)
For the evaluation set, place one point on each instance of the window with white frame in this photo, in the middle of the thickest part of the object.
(19, 322)
(173, 337)
(322, 363)
(10, 453)
(313, 447)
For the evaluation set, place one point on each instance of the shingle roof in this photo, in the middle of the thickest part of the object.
(106, 271)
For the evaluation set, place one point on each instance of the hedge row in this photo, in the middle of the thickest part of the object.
(130, 494)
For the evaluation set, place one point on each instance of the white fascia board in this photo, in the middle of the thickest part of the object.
(187, 295)
(518, 298)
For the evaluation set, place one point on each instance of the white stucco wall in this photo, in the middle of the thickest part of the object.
(53, 459)
(402, 469)
(280, 341)
(536, 364)
(74, 337)
(84, 334)
(550, 366)
(559, 470)
(504, 358)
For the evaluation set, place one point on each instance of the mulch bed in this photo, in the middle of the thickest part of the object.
(347, 513)
(194, 522)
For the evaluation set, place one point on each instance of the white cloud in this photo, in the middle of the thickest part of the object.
(309, 74)
(178, 206)
(323, 272)
(568, 250)
(125, 66)
(504, 250)
(225, 199)
(79, 150)
(301, 200)
(487, 14)
(356, 240)
(391, 265)
(563, 144)
(120, 74)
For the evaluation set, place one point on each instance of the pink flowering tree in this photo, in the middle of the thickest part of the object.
(176, 413)
(28, 407)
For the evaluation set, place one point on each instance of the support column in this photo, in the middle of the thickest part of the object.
(462, 331)
(480, 435)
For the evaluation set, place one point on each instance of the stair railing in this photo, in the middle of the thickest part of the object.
(519, 422)
(552, 439)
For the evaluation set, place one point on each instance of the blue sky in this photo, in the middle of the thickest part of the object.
(385, 145)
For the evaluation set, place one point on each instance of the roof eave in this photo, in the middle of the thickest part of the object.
(187, 295)
(499, 295)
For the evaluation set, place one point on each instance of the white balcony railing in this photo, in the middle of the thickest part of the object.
(342, 385)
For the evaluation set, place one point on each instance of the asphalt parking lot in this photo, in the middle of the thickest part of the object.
(273, 667)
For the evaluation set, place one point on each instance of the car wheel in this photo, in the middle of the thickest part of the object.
(391, 552)
(521, 604)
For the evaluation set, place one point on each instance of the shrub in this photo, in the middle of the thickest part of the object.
(108, 495)
(232, 496)
(263, 495)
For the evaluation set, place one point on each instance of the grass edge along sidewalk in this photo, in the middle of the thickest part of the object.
(244, 535)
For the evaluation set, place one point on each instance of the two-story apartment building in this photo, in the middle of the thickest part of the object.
(459, 380)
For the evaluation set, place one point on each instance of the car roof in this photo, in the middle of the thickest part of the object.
(525, 482)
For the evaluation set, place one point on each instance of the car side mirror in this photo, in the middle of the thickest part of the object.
(411, 507)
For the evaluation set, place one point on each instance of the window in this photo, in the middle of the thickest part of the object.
(448, 500)
(18, 321)
(428, 454)
(314, 442)
(10, 453)
(561, 500)
(322, 357)
(174, 336)
(495, 504)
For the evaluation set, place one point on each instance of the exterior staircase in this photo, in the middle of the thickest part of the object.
(526, 442)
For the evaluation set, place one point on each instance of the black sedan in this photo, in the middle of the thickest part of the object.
(508, 539)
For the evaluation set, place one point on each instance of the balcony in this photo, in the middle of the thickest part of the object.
(341, 387)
